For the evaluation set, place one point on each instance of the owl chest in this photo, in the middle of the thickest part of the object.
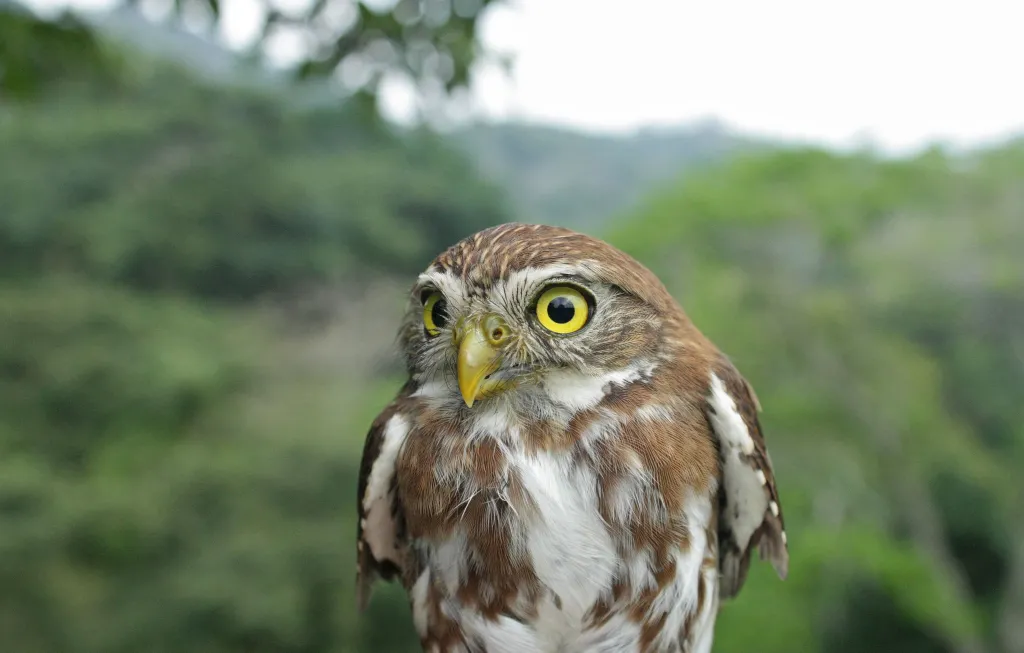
(503, 526)
(551, 550)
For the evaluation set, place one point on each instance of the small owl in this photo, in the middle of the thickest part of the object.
(571, 466)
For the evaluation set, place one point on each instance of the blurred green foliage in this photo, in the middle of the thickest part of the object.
(35, 52)
(172, 186)
(199, 289)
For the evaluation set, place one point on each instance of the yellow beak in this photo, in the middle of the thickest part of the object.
(479, 343)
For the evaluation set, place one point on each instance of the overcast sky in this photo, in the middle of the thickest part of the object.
(901, 73)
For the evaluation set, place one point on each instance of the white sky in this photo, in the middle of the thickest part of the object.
(900, 73)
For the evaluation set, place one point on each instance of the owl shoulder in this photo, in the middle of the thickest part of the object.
(750, 512)
(381, 537)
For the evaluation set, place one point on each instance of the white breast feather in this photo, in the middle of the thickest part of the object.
(619, 633)
(451, 559)
(677, 600)
(418, 595)
(505, 635)
(680, 599)
(704, 624)
(570, 546)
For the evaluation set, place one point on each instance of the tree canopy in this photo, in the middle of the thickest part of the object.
(430, 43)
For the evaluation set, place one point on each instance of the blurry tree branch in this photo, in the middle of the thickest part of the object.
(431, 43)
(34, 51)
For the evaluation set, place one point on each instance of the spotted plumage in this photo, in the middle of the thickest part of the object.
(572, 466)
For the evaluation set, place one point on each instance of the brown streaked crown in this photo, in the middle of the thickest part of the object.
(498, 251)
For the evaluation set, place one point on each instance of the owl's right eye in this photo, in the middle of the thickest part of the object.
(435, 313)
(563, 310)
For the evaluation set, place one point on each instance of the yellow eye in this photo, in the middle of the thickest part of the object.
(563, 309)
(435, 313)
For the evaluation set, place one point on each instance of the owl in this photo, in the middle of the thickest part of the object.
(571, 465)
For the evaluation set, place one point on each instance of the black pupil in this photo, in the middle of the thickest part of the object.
(439, 313)
(561, 310)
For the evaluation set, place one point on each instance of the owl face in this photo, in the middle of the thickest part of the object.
(505, 325)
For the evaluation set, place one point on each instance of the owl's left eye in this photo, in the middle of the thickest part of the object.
(435, 313)
(563, 309)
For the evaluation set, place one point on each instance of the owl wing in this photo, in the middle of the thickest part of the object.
(381, 539)
(750, 513)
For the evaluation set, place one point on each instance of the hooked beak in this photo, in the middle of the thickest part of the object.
(480, 342)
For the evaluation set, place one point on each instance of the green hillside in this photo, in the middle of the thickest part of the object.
(558, 176)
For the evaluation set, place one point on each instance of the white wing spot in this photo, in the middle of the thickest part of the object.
(746, 498)
(775, 508)
(761, 477)
(378, 531)
(419, 594)
(734, 429)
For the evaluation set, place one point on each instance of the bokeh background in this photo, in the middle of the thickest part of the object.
(210, 213)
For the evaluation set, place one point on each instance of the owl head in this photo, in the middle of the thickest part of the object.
(505, 309)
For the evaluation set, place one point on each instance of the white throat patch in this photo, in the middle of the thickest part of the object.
(576, 391)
